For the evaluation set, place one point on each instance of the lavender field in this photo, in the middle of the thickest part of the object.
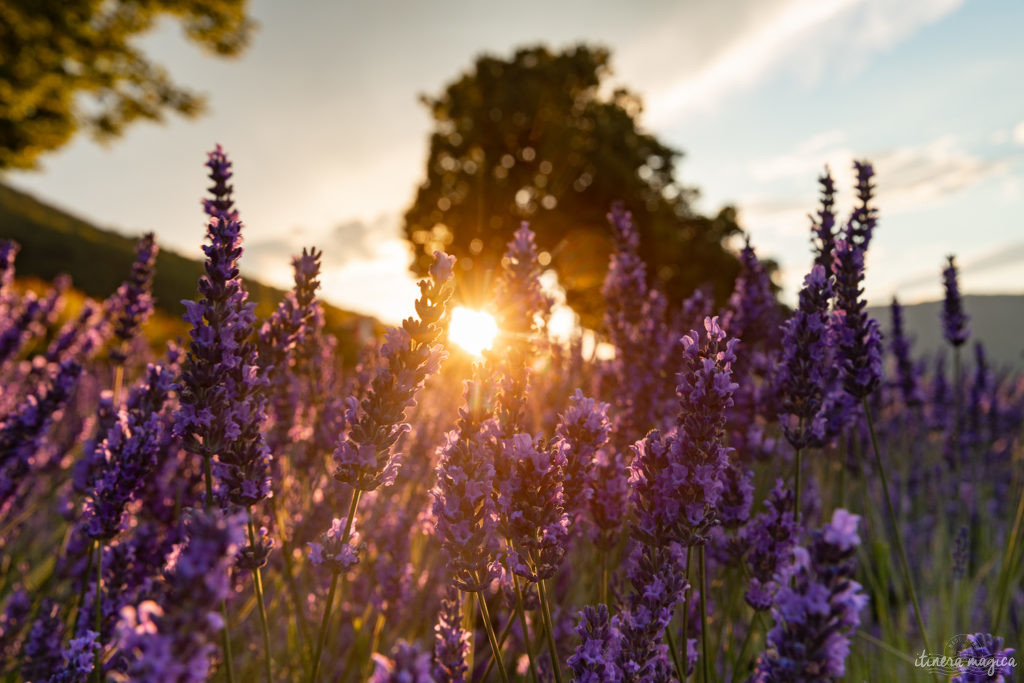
(724, 493)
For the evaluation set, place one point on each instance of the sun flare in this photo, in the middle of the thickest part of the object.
(473, 330)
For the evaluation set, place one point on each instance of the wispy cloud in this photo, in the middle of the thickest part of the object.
(810, 36)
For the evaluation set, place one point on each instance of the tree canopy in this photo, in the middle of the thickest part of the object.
(537, 138)
(71, 66)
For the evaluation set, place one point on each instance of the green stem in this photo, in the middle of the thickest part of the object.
(743, 648)
(229, 665)
(680, 671)
(521, 613)
(495, 648)
(501, 642)
(208, 477)
(1007, 566)
(604, 579)
(322, 637)
(257, 582)
(705, 649)
(686, 605)
(293, 589)
(549, 628)
(897, 536)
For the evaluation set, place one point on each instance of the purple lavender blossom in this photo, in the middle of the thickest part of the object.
(22, 433)
(752, 313)
(677, 477)
(41, 655)
(985, 660)
(29, 318)
(133, 302)
(816, 608)
(954, 321)
(451, 641)
(13, 622)
(859, 340)
(129, 453)
(595, 659)
(530, 506)
(521, 306)
(222, 386)
(463, 506)
(823, 228)
(804, 372)
(906, 375)
(865, 216)
(364, 457)
(407, 664)
(330, 551)
(584, 429)
(737, 495)
(172, 637)
(222, 205)
(769, 538)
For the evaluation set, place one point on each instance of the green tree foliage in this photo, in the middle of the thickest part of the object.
(536, 138)
(70, 66)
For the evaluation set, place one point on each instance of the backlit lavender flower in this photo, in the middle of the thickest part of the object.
(985, 659)
(583, 428)
(530, 506)
(330, 551)
(79, 659)
(22, 433)
(221, 205)
(79, 338)
(804, 372)
(859, 340)
(451, 641)
(752, 314)
(407, 664)
(133, 302)
(954, 321)
(677, 478)
(906, 375)
(41, 654)
(364, 457)
(658, 583)
(222, 385)
(172, 637)
(816, 608)
(608, 486)
(769, 539)
(521, 306)
(29, 318)
(823, 225)
(129, 453)
(595, 659)
(463, 506)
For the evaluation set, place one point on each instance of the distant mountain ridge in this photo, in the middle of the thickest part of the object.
(54, 242)
(996, 320)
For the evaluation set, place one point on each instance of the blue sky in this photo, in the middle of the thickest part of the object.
(321, 118)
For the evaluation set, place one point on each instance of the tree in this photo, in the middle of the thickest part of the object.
(535, 138)
(70, 66)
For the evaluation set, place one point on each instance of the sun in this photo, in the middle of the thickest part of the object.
(473, 330)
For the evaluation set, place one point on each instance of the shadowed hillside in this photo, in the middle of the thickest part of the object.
(54, 242)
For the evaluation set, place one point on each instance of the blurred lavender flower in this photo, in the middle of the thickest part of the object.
(737, 495)
(985, 660)
(8, 251)
(222, 385)
(463, 506)
(329, 549)
(364, 457)
(804, 368)
(817, 607)
(451, 641)
(752, 313)
(906, 374)
(595, 659)
(521, 306)
(129, 453)
(769, 538)
(677, 478)
(954, 320)
(41, 655)
(407, 664)
(961, 552)
(22, 433)
(584, 429)
(13, 622)
(609, 491)
(171, 638)
(132, 304)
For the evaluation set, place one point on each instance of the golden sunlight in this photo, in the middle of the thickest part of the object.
(473, 330)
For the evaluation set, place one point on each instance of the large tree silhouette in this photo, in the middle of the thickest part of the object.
(71, 66)
(536, 138)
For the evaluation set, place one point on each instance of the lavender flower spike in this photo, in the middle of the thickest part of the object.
(133, 302)
(985, 660)
(859, 340)
(451, 641)
(222, 205)
(954, 320)
(364, 457)
(595, 658)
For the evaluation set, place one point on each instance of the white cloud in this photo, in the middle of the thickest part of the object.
(808, 36)
(1018, 133)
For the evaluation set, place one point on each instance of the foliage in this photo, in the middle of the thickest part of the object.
(536, 137)
(73, 66)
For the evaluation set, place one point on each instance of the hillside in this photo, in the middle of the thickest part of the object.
(53, 242)
(997, 320)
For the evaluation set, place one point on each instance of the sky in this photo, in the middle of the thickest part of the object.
(322, 120)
